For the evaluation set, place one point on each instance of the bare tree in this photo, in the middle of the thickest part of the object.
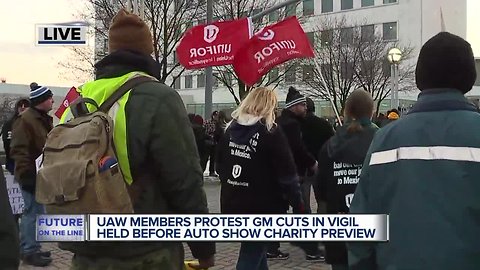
(351, 56)
(235, 9)
(168, 19)
(337, 55)
(373, 70)
(7, 107)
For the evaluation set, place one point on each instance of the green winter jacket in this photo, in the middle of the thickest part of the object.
(162, 156)
(423, 170)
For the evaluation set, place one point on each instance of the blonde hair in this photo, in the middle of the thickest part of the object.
(260, 102)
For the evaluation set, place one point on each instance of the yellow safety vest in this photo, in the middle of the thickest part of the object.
(100, 90)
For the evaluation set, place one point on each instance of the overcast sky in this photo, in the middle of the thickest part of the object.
(23, 62)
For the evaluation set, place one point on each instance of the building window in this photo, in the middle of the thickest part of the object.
(326, 37)
(200, 80)
(367, 69)
(105, 46)
(175, 58)
(368, 32)
(390, 31)
(389, 1)
(327, 6)
(228, 79)
(346, 71)
(291, 74)
(368, 3)
(188, 81)
(176, 83)
(308, 7)
(273, 17)
(307, 73)
(346, 35)
(311, 38)
(215, 79)
(386, 68)
(291, 10)
(347, 4)
(477, 66)
(273, 75)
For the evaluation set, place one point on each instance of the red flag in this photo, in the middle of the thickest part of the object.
(214, 44)
(71, 96)
(270, 47)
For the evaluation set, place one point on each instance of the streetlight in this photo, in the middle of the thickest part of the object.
(394, 57)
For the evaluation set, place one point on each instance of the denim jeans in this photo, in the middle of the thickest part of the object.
(252, 256)
(28, 244)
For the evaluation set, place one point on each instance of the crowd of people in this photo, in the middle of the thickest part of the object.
(420, 168)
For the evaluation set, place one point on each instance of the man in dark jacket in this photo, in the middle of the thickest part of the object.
(160, 153)
(9, 246)
(316, 131)
(423, 171)
(290, 122)
(29, 134)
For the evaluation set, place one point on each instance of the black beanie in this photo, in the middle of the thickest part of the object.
(39, 95)
(294, 97)
(446, 61)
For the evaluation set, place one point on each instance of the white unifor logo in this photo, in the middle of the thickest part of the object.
(266, 35)
(236, 171)
(348, 199)
(66, 103)
(210, 33)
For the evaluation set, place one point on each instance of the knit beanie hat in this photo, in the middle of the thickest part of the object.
(128, 32)
(446, 61)
(294, 97)
(39, 94)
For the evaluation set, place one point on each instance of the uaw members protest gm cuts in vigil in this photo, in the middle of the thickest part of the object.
(180, 135)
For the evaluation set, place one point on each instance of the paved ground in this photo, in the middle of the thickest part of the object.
(226, 252)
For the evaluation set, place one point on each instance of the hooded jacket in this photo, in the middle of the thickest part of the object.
(340, 164)
(258, 176)
(423, 170)
(162, 156)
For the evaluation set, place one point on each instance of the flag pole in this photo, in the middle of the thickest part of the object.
(319, 69)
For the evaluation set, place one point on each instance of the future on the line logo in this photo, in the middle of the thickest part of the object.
(70, 33)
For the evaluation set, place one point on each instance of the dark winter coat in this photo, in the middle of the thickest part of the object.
(340, 164)
(9, 243)
(200, 138)
(423, 170)
(29, 135)
(7, 139)
(316, 131)
(257, 171)
(292, 128)
(163, 159)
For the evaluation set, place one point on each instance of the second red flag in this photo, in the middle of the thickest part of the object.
(272, 46)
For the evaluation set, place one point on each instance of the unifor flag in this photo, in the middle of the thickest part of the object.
(71, 96)
(270, 47)
(214, 44)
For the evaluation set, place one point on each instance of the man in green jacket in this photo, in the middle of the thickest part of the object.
(423, 170)
(155, 148)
